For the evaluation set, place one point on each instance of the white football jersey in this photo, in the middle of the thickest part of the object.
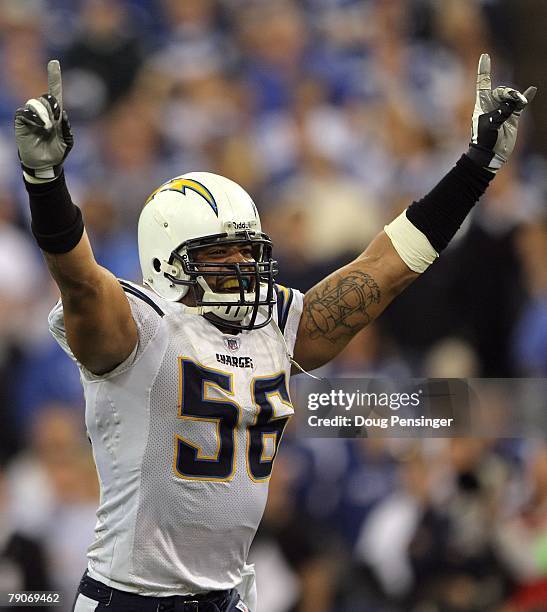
(184, 434)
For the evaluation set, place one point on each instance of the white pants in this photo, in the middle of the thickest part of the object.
(84, 604)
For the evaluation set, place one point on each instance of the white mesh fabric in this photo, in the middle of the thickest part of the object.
(211, 523)
(290, 305)
(158, 533)
(293, 318)
(146, 319)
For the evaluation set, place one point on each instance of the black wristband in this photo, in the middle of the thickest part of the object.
(482, 156)
(440, 213)
(57, 223)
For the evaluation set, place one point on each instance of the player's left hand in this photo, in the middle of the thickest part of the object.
(495, 119)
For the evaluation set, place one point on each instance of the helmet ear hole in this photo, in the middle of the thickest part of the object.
(157, 264)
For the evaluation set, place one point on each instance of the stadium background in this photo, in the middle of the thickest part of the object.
(334, 114)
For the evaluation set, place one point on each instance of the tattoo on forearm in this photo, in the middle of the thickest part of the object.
(338, 308)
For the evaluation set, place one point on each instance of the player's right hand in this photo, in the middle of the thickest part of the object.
(495, 119)
(42, 131)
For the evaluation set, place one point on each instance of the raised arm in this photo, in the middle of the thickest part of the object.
(99, 325)
(350, 298)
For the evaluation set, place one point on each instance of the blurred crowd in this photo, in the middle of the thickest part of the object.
(334, 115)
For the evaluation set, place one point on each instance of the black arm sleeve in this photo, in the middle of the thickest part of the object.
(440, 213)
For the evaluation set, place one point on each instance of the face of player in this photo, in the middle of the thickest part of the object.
(232, 253)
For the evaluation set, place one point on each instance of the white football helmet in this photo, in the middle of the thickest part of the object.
(198, 210)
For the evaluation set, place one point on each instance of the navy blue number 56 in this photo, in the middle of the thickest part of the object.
(198, 404)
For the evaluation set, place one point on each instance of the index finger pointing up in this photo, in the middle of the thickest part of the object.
(483, 73)
(54, 83)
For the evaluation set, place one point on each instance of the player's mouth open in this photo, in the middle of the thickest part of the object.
(232, 285)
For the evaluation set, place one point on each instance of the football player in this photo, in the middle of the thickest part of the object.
(185, 378)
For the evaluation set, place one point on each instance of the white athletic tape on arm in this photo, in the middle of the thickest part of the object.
(411, 244)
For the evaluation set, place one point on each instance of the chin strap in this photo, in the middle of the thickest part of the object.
(288, 353)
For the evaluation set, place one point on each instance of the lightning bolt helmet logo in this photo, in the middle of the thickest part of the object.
(181, 185)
